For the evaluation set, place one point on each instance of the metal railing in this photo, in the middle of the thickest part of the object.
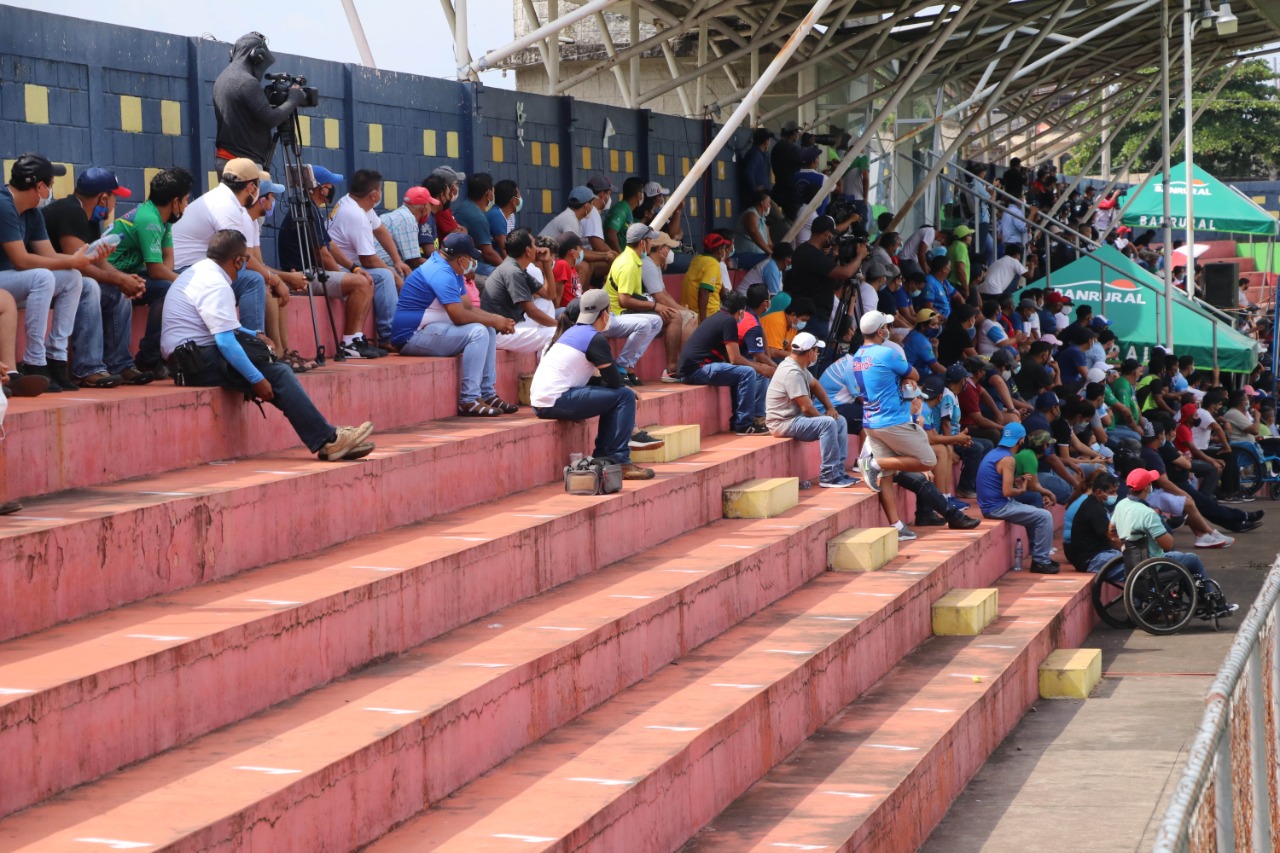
(1228, 798)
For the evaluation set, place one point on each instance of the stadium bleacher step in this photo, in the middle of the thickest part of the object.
(83, 551)
(163, 671)
(884, 771)
(645, 770)
(340, 765)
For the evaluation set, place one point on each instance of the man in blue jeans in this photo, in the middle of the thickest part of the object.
(790, 413)
(577, 379)
(431, 319)
(998, 493)
(712, 356)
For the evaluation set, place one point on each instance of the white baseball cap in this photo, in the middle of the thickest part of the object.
(874, 321)
(804, 342)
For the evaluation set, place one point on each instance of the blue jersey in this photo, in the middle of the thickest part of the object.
(938, 293)
(426, 291)
(919, 350)
(837, 381)
(990, 484)
(877, 373)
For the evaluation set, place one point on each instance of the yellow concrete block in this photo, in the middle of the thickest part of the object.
(862, 550)
(171, 118)
(684, 166)
(683, 440)
(728, 208)
(37, 103)
(720, 169)
(375, 138)
(497, 149)
(390, 194)
(965, 612)
(1070, 673)
(718, 209)
(451, 144)
(546, 201)
(613, 162)
(147, 175)
(535, 153)
(522, 388)
(131, 114)
(332, 134)
(761, 498)
(428, 143)
(304, 130)
(554, 150)
(631, 161)
(662, 164)
(586, 158)
(65, 185)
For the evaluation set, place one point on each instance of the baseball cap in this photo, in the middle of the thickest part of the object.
(1190, 412)
(639, 231)
(1055, 298)
(714, 241)
(1047, 401)
(1148, 429)
(458, 245)
(875, 271)
(267, 186)
(924, 315)
(242, 169)
(810, 153)
(591, 305)
(580, 195)
(97, 180)
(1140, 478)
(662, 238)
(936, 252)
(1027, 303)
(1051, 339)
(419, 195)
(1099, 323)
(1095, 374)
(1039, 438)
(600, 183)
(789, 127)
(449, 174)
(804, 342)
(324, 176)
(892, 271)
(956, 372)
(874, 321)
(931, 386)
(31, 169)
(823, 224)
(961, 232)
(1013, 433)
(654, 188)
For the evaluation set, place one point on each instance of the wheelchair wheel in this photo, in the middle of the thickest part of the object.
(1160, 596)
(1210, 597)
(1252, 473)
(1273, 491)
(1107, 591)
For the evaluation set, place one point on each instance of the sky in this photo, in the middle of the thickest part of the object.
(402, 36)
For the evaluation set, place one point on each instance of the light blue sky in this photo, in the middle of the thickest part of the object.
(403, 36)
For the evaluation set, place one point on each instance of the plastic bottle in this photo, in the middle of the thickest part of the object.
(110, 241)
(1017, 556)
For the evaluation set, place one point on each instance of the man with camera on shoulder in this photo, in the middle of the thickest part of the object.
(816, 272)
(245, 114)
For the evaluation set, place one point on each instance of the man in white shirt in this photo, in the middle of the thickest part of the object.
(1005, 275)
(352, 230)
(915, 249)
(571, 220)
(599, 253)
(199, 340)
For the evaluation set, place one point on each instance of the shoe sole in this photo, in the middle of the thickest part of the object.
(646, 445)
(29, 386)
(822, 485)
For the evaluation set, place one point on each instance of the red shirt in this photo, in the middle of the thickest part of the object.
(445, 224)
(1182, 438)
(566, 275)
(970, 403)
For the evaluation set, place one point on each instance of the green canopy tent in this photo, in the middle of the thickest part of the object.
(1133, 300)
(1217, 207)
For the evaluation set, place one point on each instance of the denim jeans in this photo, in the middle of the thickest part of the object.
(927, 494)
(1191, 562)
(1061, 488)
(639, 331)
(86, 332)
(832, 435)
(478, 345)
(251, 298)
(970, 459)
(117, 325)
(616, 408)
(1100, 561)
(1038, 522)
(749, 387)
(289, 398)
(42, 292)
(1120, 433)
(385, 299)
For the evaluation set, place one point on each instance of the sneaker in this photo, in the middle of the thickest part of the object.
(353, 349)
(870, 474)
(956, 503)
(967, 494)
(158, 370)
(102, 379)
(960, 521)
(641, 440)
(926, 517)
(41, 371)
(633, 380)
(1227, 609)
(60, 374)
(360, 451)
(346, 441)
(906, 534)
(635, 472)
(668, 376)
(750, 429)
(1236, 498)
(839, 481)
(367, 349)
(1246, 526)
(1213, 539)
(10, 507)
(1255, 515)
(1047, 568)
(134, 376)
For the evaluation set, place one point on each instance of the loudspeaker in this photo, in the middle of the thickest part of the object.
(1221, 284)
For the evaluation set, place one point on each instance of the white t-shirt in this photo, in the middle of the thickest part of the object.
(806, 230)
(592, 225)
(1000, 275)
(216, 210)
(565, 220)
(924, 235)
(1202, 435)
(199, 305)
(991, 337)
(351, 229)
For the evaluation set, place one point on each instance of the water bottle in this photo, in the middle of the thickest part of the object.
(110, 241)
(1017, 556)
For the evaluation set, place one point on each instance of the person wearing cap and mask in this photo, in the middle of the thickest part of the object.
(576, 380)
(790, 413)
(245, 118)
(579, 209)
(654, 196)
(599, 254)
(634, 316)
(42, 280)
(445, 222)
(434, 319)
(808, 179)
(785, 160)
(703, 282)
(918, 344)
(999, 489)
(675, 331)
(404, 226)
(622, 215)
(815, 273)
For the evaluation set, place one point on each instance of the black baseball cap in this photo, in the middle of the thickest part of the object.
(31, 169)
(823, 224)
(458, 245)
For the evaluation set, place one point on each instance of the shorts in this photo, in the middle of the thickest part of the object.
(901, 440)
(1166, 503)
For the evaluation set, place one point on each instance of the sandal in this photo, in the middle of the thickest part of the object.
(296, 362)
(477, 409)
(496, 402)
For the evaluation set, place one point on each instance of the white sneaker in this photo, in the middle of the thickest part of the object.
(1213, 539)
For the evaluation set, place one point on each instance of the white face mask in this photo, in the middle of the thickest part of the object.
(471, 267)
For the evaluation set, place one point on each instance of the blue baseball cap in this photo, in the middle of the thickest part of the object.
(1047, 401)
(96, 180)
(266, 185)
(1013, 433)
(324, 176)
(581, 195)
(460, 244)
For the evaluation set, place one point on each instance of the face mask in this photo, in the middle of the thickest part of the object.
(582, 256)
(800, 324)
(99, 213)
(915, 293)
(488, 205)
(471, 267)
(932, 331)
(1111, 500)
(46, 200)
(1006, 375)
(519, 203)
(240, 264)
(328, 195)
(973, 333)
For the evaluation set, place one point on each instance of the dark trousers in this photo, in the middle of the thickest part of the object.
(970, 459)
(616, 408)
(927, 494)
(1214, 512)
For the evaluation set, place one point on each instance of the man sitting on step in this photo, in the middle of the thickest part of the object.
(999, 491)
(201, 339)
(790, 413)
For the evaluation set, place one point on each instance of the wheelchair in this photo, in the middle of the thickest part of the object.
(1257, 471)
(1156, 594)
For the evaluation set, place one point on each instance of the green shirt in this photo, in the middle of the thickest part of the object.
(620, 218)
(959, 254)
(1025, 461)
(143, 239)
(1133, 518)
(1121, 392)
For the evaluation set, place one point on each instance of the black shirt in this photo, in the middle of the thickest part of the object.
(1032, 379)
(65, 218)
(245, 117)
(287, 240)
(707, 343)
(1061, 431)
(1013, 182)
(1088, 533)
(951, 343)
(1180, 477)
(785, 159)
(810, 276)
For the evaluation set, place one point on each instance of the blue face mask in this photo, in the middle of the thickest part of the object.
(932, 331)
(973, 332)
(800, 324)
(99, 213)
(915, 293)
(1111, 500)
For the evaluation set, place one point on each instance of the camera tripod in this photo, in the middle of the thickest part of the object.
(299, 182)
(834, 346)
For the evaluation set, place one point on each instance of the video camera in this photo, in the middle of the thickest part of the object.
(833, 138)
(278, 90)
(847, 243)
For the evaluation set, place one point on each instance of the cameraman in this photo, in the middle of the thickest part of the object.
(245, 117)
(815, 272)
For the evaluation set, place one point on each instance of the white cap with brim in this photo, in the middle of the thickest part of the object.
(874, 321)
(804, 342)
(591, 305)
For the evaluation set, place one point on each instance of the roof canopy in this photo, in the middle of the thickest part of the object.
(1217, 207)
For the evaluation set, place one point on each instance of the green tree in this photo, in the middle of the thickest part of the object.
(1238, 135)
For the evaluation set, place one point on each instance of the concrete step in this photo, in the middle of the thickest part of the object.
(85, 551)
(645, 770)
(159, 673)
(884, 771)
(337, 767)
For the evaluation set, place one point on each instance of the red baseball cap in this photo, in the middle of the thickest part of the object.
(714, 241)
(419, 195)
(1140, 478)
(1190, 412)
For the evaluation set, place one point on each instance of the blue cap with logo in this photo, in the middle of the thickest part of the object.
(324, 176)
(1013, 433)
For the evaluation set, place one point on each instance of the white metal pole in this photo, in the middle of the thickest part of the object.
(1187, 108)
(461, 49)
(1165, 145)
(550, 28)
(553, 61)
(743, 108)
(634, 20)
(357, 33)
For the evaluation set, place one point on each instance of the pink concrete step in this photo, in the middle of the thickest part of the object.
(339, 766)
(159, 673)
(83, 552)
(884, 771)
(1219, 250)
(645, 770)
(95, 436)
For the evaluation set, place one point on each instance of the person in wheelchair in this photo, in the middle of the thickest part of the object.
(1135, 522)
(1086, 529)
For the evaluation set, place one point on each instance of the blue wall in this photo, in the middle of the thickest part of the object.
(85, 93)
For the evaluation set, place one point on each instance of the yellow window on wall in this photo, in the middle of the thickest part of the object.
(332, 136)
(131, 114)
(684, 166)
(554, 149)
(37, 108)
(662, 164)
(631, 162)
(428, 143)
(375, 138)
(390, 194)
(546, 201)
(497, 149)
(304, 131)
(720, 169)
(535, 153)
(586, 158)
(451, 144)
(613, 161)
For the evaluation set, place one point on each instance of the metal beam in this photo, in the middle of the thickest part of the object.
(549, 29)
(624, 90)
